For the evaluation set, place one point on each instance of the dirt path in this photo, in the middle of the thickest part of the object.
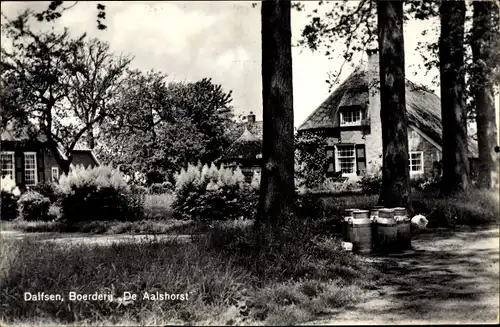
(448, 277)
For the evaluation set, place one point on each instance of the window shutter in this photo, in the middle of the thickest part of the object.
(360, 159)
(19, 159)
(40, 170)
(330, 165)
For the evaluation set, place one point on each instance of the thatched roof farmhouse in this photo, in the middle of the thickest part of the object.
(350, 119)
(350, 116)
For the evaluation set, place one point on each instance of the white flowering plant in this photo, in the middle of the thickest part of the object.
(99, 193)
(213, 193)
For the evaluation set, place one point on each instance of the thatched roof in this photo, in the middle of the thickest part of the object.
(423, 107)
(246, 147)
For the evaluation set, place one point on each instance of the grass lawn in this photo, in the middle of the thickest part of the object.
(171, 226)
(476, 207)
(225, 282)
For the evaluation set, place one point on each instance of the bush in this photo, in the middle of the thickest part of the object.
(33, 206)
(158, 206)
(55, 212)
(161, 188)
(370, 184)
(211, 193)
(9, 206)
(310, 207)
(139, 189)
(46, 189)
(10, 195)
(330, 186)
(98, 193)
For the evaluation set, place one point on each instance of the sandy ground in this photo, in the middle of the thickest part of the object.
(450, 277)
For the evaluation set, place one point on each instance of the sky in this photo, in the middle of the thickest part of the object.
(190, 40)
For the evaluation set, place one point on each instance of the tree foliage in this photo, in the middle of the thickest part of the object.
(162, 126)
(56, 8)
(52, 81)
(345, 22)
(95, 84)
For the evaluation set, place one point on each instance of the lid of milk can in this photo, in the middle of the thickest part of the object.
(386, 213)
(399, 211)
(361, 214)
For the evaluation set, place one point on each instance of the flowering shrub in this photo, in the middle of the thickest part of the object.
(33, 206)
(47, 189)
(209, 193)
(10, 194)
(98, 193)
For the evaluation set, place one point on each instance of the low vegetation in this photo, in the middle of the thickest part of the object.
(226, 282)
(109, 227)
(158, 206)
(473, 208)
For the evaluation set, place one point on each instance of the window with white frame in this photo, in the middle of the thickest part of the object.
(351, 117)
(416, 162)
(30, 173)
(7, 159)
(346, 159)
(55, 173)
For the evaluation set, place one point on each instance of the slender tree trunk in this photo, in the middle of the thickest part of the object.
(484, 40)
(454, 117)
(52, 143)
(395, 190)
(277, 191)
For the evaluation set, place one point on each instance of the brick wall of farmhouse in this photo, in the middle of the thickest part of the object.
(372, 138)
(49, 162)
(430, 153)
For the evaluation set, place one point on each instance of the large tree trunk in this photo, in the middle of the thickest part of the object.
(277, 190)
(484, 51)
(454, 118)
(395, 190)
